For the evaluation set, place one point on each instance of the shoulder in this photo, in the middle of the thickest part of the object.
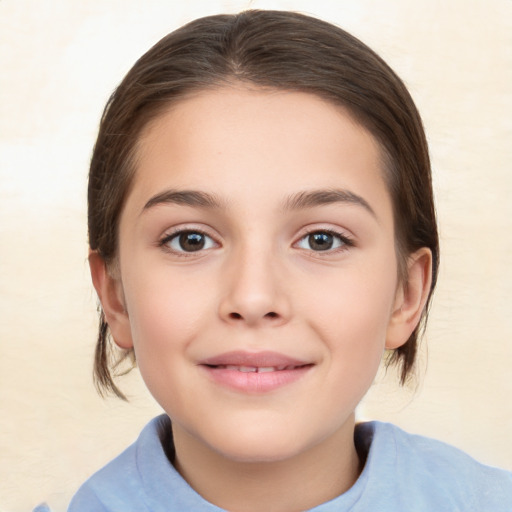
(141, 479)
(113, 487)
(118, 484)
(434, 473)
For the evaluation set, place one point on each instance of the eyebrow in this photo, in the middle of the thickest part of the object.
(184, 197)
(298, 201)
(310, 199)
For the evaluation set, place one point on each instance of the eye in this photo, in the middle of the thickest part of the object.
(323, 241)
(188, 241)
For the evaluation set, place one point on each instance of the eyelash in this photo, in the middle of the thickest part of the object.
(175, 235)
(344, 241)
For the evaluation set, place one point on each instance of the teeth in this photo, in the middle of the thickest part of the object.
(265, 369)
(247, 369)
(255, 369)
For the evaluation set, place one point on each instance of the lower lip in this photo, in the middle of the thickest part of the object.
(255, 382)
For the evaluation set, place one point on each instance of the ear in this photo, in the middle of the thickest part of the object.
(110, 293)
(411, 297)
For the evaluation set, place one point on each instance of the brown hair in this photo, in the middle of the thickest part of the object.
(272, 49)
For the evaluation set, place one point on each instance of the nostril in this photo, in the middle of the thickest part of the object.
(237, 316)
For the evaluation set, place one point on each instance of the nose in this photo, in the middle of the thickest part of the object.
(254, 290)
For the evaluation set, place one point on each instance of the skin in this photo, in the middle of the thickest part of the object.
(259, 285)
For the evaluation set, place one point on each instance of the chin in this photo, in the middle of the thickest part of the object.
(258, 452)
(260, 443)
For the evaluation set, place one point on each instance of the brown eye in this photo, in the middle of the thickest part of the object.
(319, 241)
(189, 241)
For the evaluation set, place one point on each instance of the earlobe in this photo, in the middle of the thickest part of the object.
(410, 299)
(110, 293)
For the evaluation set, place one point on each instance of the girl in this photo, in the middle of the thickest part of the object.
(262, 230)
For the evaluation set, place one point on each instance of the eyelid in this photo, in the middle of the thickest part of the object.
(174, 232)
(346, 238)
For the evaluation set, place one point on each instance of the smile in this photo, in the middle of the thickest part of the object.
(255, 369)
(254, 373)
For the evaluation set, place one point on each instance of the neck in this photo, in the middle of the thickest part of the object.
(300, 482)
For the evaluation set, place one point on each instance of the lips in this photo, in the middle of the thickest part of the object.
(259, 372)
(256, 369)
(265, 359)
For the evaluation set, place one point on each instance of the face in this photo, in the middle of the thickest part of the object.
(257, 269)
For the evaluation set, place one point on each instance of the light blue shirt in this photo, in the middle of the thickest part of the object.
(403, 472)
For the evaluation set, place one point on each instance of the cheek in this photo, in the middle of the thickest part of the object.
(165, 313)
(353, 329)
(353, 316)
(164, 323)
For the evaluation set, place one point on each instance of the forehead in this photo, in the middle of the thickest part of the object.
(236, 140)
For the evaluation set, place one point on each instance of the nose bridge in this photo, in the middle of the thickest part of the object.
(253, 290)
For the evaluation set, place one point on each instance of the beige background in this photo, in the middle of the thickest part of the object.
(60, 59)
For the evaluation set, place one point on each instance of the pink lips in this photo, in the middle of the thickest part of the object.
(258, 372)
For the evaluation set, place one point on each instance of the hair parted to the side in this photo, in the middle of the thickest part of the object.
(276, 50)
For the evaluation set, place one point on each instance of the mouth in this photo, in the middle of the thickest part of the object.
(254, 373)
(255, 369)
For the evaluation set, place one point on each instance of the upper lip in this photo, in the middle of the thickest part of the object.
(264, 359)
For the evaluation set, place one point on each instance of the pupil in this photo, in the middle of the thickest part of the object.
(191, 241)
(320, 241)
